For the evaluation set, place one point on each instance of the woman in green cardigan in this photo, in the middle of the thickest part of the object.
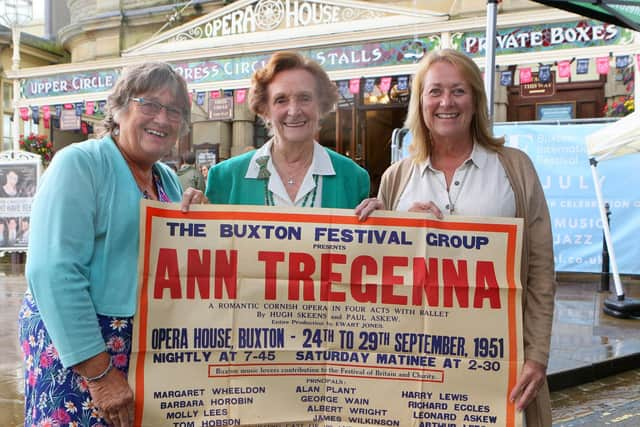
(291, 94)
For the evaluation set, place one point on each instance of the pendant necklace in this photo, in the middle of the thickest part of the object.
(309, 198)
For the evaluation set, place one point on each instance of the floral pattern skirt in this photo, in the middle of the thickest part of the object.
(54, 395)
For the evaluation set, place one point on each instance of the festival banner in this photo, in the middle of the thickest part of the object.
(309, 317)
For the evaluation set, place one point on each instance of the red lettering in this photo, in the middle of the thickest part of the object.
(167, 274)
(328, 276)
(425, 280)
(198, 270)
(361, 265)
(457, 281)
(271, 260)
(390, 280)
(226, 273)
(486, 286)
(301, 269)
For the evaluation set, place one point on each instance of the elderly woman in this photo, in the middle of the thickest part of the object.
(75, 321)
(459, 168)
(291, 94)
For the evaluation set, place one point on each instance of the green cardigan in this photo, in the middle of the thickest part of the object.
(226, 183)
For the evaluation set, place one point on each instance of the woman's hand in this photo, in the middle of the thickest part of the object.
(114, 399)
(427, 207)
(367, 206)
(109, 390)
(530, 381)
(191, 196)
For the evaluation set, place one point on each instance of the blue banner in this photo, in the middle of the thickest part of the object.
(559, 153)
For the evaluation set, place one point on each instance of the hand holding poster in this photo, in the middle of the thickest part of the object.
(311, 318)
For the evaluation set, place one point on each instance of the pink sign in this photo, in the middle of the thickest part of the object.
(525, 75)
(602, 65)
(564, 69)
(354, 86)
(241, 95)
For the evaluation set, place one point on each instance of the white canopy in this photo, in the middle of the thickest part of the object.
(617, 139)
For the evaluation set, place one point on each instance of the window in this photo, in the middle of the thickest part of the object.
(7, 95)
(6, 132)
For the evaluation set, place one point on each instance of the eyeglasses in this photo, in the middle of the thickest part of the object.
(152, 108)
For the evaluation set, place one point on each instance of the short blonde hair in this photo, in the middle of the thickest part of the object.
(480, 124)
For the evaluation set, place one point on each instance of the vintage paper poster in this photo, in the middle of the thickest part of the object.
(266, 316)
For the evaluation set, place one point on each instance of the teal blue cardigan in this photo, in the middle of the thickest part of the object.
(83, 244)
(227, 185)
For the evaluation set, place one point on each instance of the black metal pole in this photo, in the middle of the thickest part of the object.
(605, 275)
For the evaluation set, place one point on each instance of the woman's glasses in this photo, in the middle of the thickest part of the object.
(152, 108)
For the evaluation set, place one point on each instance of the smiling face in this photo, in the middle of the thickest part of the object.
(146, 138)
(12, 178)
(293, 106)
(447, 103)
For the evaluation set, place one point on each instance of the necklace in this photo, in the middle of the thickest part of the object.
(451, 207)
(143, 186)
(292, 177)
(310, 196)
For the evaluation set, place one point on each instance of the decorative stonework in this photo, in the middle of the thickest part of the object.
(268, 15)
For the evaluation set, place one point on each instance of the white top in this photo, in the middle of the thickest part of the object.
(320, 165)
(480, 187)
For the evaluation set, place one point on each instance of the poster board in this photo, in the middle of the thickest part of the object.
(19, 175)
(255, 315)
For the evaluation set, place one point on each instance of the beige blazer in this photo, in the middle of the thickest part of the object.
(537, 268)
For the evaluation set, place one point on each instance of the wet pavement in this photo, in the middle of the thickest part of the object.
(591, 369)
(11, 390)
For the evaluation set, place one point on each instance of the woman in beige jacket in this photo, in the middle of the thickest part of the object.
(457, 167)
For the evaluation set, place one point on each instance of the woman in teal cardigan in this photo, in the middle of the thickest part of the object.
(291, 94)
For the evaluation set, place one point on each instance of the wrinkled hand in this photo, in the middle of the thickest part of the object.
(114, 399)
(191, 196)
(367, 206)
(530, 381)
(429, 207)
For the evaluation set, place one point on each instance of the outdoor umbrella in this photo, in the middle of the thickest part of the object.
(625, 13)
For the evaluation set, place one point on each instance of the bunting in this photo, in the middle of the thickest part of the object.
(385, 84)
(506, 78)
(35, 114)
(241, 96)
(200, 98)
(525, 75)
(90, 108)
(602, 65)
(582, 66)
(544, 73)
(403, 83)
(343, 88)
(369, 85)
(354, 86)
(24, 113)
(622, 61)
(564, 69)
(79, 107)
